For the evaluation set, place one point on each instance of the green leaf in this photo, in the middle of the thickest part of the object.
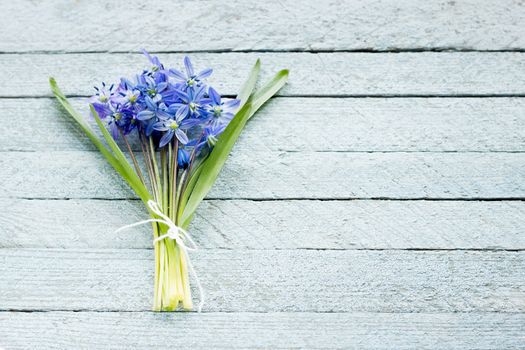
(266, 92)
(188, 191)
(244, 95)
(131, 176)
(215, 161)
(249, 84)
(112, 159)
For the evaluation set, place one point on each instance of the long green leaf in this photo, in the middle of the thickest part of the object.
(215, 161)
(249, 84)
(188, 191)
(131, 176)
(244, 95)
(112, 159)
(266, 92)
(76, 116)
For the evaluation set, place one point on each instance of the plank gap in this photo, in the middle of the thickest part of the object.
(361, 50)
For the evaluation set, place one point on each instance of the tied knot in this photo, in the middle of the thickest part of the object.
(175, 233)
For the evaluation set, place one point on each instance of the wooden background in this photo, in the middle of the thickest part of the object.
(376, 203)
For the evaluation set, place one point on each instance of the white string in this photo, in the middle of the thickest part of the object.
(176, 233)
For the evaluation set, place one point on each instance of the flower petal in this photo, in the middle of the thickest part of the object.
(102, 110)
(181, 135)
(214, 95)
(190, 122)
(227, 116)
(174, 107)
(162, 86)
(145, 115)
(183, 96)
(182, 113)
(166, 138)
(160, 126)
(163, 114)
(114, 131)
(148, 56)
(197, 95)
(232, 103)
(150, 103)
(189, 66)
(204, 74)
(177, 74)
(149, 128)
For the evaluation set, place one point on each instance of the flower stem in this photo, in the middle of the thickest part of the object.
(132, 155)
(147, 158)
(164, 166)
(155, 168)
(173, 182)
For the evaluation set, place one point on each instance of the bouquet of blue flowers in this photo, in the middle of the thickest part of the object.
(177, 132)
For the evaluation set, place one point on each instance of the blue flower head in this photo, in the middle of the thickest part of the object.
(151, 87)
(156, 66)
(183, 159)
(188, 79)
(128, 93)
(153, 113)
(168, 105)
(192, 103)
(221, 111)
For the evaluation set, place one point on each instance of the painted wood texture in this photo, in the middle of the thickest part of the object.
(284, 175)
(244, 224)
(271, 280)
(341, 124)
(270, 25)
(146, 330)
(321, 74)
(377, 203)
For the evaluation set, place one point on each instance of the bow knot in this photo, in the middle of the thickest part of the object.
(176, 233)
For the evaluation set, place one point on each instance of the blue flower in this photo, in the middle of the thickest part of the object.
(156, 66)
(189, 79)
(128, 93)
(103, 94)
(152, 114)
(174, 127)
(192, 103)
(221, 112)
(210, 136)
(183, 158)
(152, 87)
(102, 99)
(120, 119)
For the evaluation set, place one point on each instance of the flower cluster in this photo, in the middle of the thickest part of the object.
(169, 105)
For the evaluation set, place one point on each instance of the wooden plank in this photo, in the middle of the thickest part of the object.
(272, 25)
(374, 124)
(271, 281)
(323, 74)
(284, 175)
(88, 330)
(241, 224)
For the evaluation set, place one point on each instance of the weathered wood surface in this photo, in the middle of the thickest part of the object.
(321, 74)
(270, 25)
(88, 330)
(284, 175)
(242, 224)
(341, 124)
(271, 280)
(299, 246)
